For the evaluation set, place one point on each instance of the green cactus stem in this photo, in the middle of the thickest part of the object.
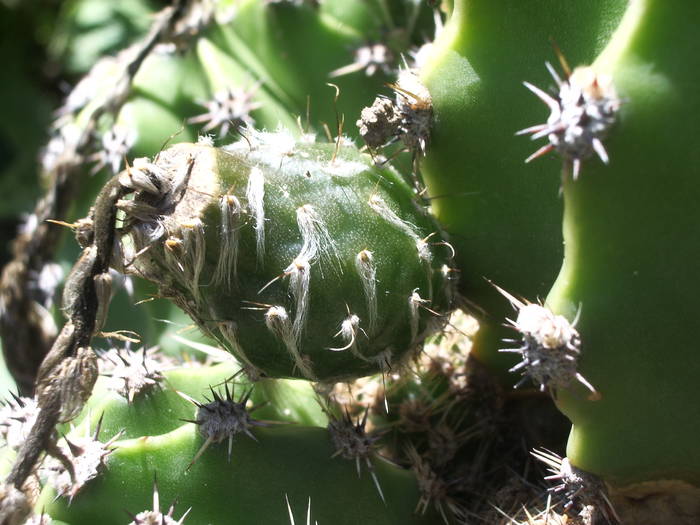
(302, 259)
(503, 217)
(244, 483)
(629, 263)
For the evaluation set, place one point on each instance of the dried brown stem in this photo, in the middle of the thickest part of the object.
(26, 327)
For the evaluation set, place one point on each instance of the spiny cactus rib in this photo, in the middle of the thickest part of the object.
(222, 481)
(493, 207)
(622, 221)
(303, 253)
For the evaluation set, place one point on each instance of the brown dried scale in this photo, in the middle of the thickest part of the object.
(408, 119)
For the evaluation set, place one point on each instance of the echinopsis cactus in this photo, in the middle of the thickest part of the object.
(287, 251)
(313, 262)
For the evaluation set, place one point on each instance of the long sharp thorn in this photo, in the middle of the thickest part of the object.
(289, 509)
(376, 480)
(532, 129)
(542, 151)
(600, 150)
(554, 74)
(576, 168)
(544, 97)
(199, 453)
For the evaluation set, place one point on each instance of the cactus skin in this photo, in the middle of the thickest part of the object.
(629, 265)
(160, 409)
(503, 217)
(295, 460)
(251, 488)
(301, 260)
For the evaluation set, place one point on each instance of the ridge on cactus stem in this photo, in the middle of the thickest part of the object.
(629, 262)
(286, 250)
(491, 205)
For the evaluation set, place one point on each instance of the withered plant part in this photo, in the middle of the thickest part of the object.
(407, 118)
(26, 327)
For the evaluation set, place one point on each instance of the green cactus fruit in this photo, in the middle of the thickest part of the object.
(629, 277)
(503, 217)
(302, 259)
(227, 465)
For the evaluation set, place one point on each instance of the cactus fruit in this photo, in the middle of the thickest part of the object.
(503, 217)
(302, 259)
(628, 266)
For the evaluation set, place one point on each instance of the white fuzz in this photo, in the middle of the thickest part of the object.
(349, 329)
(86, 455)
(17, 416)
(155, 516)
(415, 301)
(364, 263)
(229, 108)
(379, 205)
(277, 321)
(194, 244)
(299, 280)
(231, 222)
(132, 372)
(255, 193)
(370, 58)
(317, 241)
